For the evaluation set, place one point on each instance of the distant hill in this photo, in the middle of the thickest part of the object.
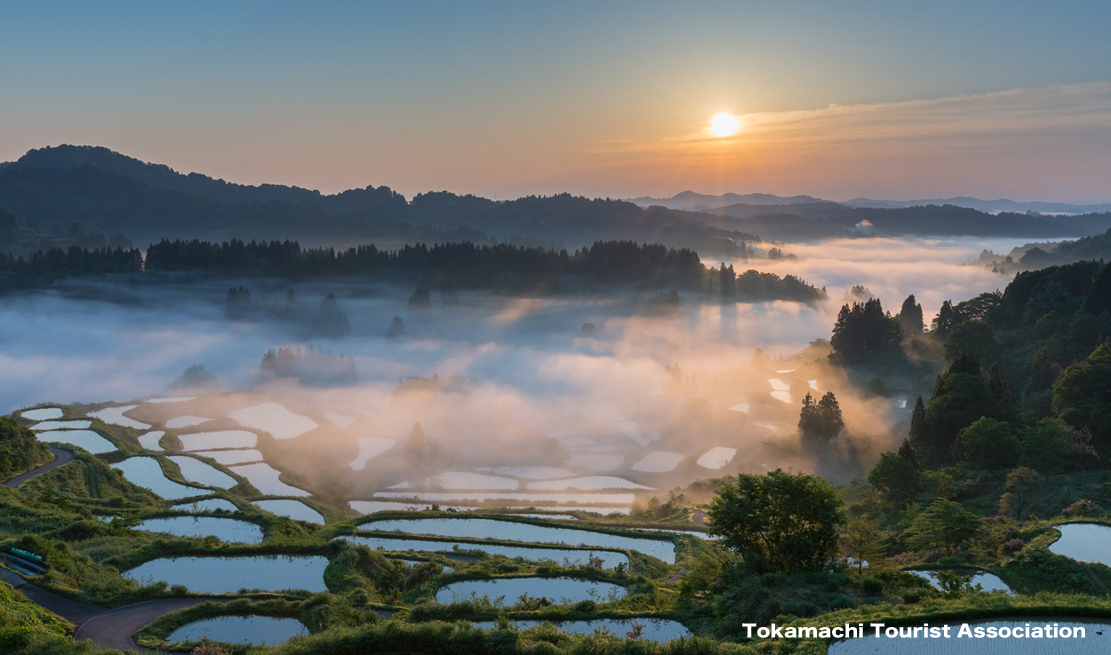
(992, 206)
(108, 191)
(48, 189)
(691, 201)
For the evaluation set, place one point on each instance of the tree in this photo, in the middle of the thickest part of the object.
(947, 318)
(1099, 298)
(820, 420)
(975, 338)
(1082, 397)
(863, 540)
(961, 397)
(727, 280)
(916, 438)
(910, 317)
(944, 525)
(787, 522)
(863, 331)
(987, 443)
(1022, 494)
(422, 451)
(895, 479)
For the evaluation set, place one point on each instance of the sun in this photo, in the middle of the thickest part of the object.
(724, 125)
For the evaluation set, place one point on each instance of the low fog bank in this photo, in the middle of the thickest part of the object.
(658, 399)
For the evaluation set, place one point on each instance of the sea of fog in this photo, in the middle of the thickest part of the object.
(86, 342)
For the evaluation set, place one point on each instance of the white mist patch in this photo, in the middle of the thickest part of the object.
(169, 399)
(531, 472)
(80, 424)
(220, 439)
(595, 462)
(150, 440)
(767, 426)
(813, 384)
(461, 480)
(197, 471)
(369, 448)
(146, 473)
(587, 484)
(114, 416)
(740, 407)
(186, 421)
(785, 396)
(42, 414)
(86, 439)
(232, 457)
(293, 509)
(658, 461)
(342, 420)
(779, 385)
(275, 419)
(265, 478)
(717, 457)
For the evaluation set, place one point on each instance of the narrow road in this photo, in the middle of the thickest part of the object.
(60, 457)
(106, 627)
(113, 628)
(699, 517)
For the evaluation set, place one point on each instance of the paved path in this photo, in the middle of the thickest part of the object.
(106, 627)
(699, 517)
(113, 628)
(60, 457)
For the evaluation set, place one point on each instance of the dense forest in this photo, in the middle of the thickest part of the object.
(449, 265)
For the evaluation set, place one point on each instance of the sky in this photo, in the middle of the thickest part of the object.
(890, 99)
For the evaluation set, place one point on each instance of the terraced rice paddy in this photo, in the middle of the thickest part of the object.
(716, 457)
(1087, 542)
(73, 424)
(231, 457)
(194, 470)
(147, 473)
(293, 509)
(256, 630)
(275, 419)
(658, 461)
(525, 532)
(609, 559)
(558, 590)
(228, 530)
(150, 440)
(186, 421)
(265, 478)
(223, 575)
(88, 440)
(219, 439)
(42, 413)
(657, 630)
(114, 416)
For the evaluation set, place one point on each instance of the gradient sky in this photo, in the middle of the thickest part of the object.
(838, 99)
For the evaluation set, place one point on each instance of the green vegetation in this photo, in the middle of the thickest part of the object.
(778, 521)
(19, 450)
